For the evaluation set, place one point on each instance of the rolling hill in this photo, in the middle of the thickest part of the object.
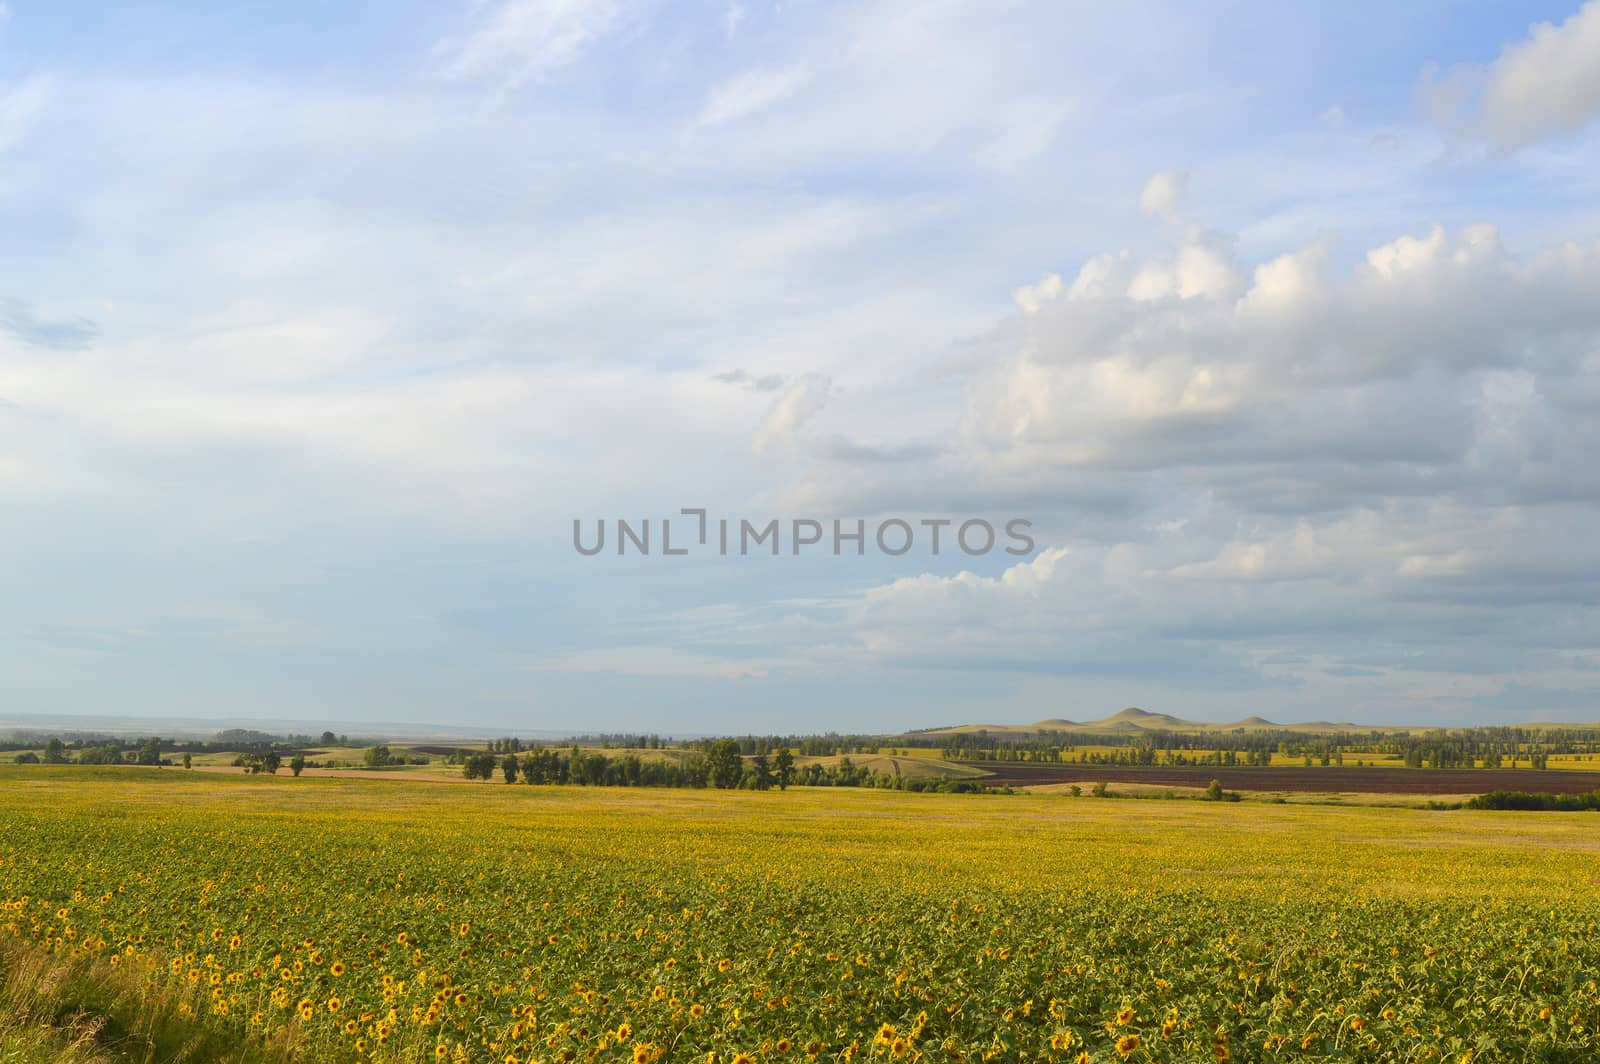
(1133, 720)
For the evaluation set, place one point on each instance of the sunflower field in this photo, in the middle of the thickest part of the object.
(408, 921)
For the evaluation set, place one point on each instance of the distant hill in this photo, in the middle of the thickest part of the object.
(1133, 719)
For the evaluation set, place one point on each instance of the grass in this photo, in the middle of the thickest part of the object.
(94, 1010)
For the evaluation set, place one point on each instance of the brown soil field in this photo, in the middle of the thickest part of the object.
(1293, 778)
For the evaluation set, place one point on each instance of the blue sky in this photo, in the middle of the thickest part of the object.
(320, 324)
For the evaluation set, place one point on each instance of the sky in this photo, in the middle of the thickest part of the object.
(321, 325)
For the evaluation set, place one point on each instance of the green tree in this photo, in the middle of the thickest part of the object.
(784, 763)
(55, 752)
(761, 769)
(508, 768)
(150, 752)
(188, 760)
(727, 768)
(271, 763)
(105, 754)
(1214, 790)
(297, 764)
(377, 757)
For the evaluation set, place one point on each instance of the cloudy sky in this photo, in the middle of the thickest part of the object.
(320, 324)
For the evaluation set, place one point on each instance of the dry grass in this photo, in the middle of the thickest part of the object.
(57, 1009)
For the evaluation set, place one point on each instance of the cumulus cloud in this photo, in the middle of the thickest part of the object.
(1139, 363)
(1360, 463)
(1029, 298)
(1546, 85)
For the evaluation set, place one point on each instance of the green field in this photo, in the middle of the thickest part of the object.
(332, 919)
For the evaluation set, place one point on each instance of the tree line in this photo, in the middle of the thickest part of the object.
(719, 764)
(1485, 747)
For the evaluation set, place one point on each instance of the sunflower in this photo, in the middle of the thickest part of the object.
(1127, 1044)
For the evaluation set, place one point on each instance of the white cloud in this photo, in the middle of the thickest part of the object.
(751, 91)
(1138, 362)
(1548, 84)
(512, 41)
(1543, 86)
(1162, 195)
(802, 401)
(1342, 458)
(1029, 298)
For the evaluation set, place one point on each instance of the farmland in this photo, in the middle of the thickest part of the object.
(342, 920)
(1294, 778)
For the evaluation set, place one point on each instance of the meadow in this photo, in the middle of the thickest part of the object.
(333, 919)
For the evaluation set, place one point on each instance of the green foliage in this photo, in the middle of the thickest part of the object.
(727, 767)
(1539, 802)
(479, 767)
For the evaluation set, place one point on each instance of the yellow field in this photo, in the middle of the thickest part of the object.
(355, 920)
